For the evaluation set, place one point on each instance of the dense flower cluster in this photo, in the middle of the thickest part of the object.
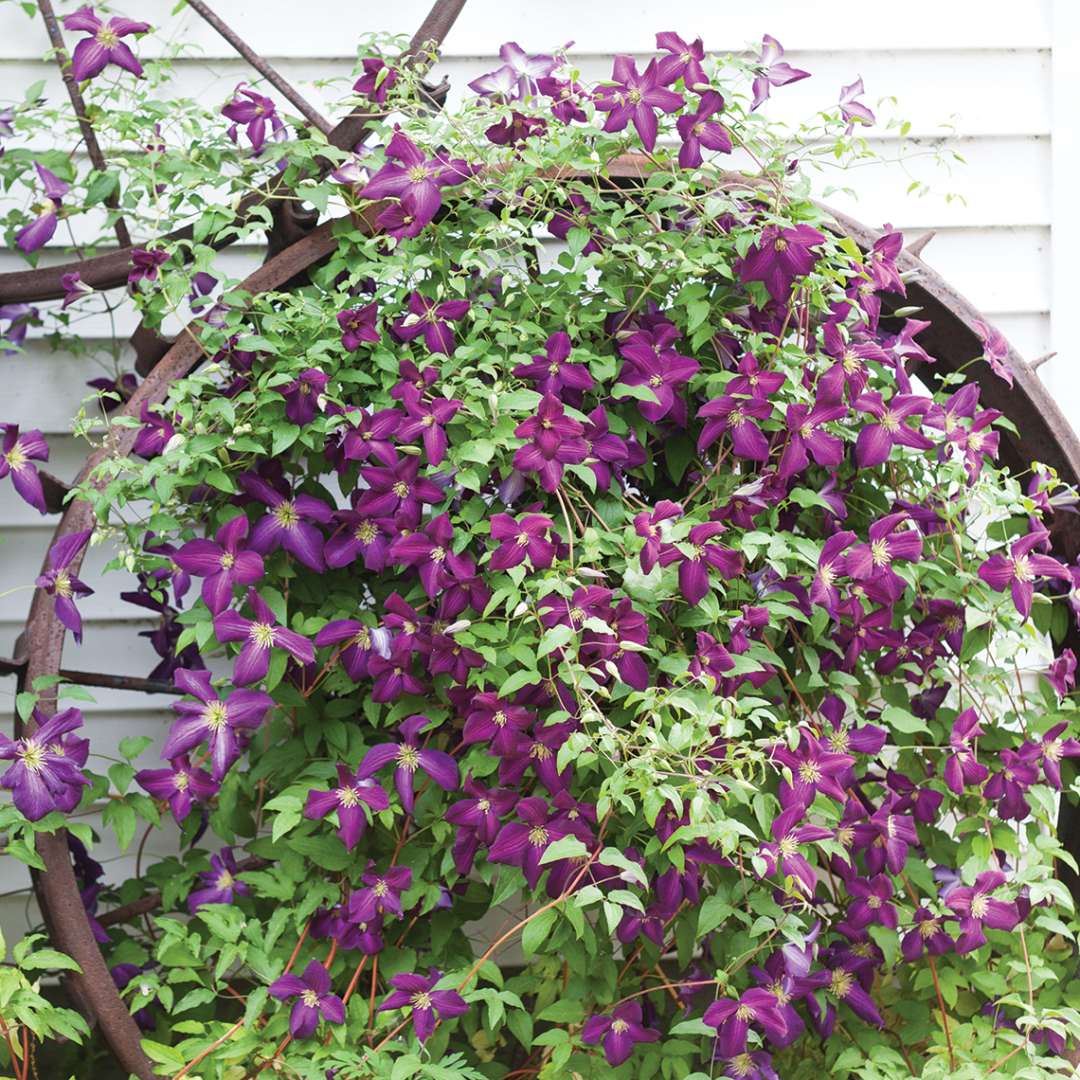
(650, 582)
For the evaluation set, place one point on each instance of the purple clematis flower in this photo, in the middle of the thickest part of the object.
(302, 396)
(779, 257)
(976, 909)
(426, 419)
(693, 572)
(517, 78)
(154, 435)
(620, 1032)
(961, 768)
(392, 675)
(368, 435)
(566, 96)
(888, 542)
(377, 81)
(842, 984)
(853, 111)
(995, 350)
(17, 452)
(556, 441)
(551, 374)
(736, 417)
(806, 439)
(60, 582)
(222, 563)
(254, 112)
(1061, 674)
(682, 62)
(814, 767)
(477, 820)
(650, 525)
(871, 902)
(433, 321)
(886, 837)
(93, 54)
(700, 129)
(1010, 784)
(523, 843)
(397, 492)
(346, 798)
(145, 266)
(732, 1019)
(429, 550)
(877, 439)
(219, 882)
(772, 71)
(1054, 748)
(575, 216)
(653, 363)
(181, 785)
(521, 539)
(18, 317)
(416, 181)
(362, 642)
(222, 723)
(634, 97)
(358, 326)
(40, 231)
(832, 564)
(289, 524)
(926, 935)
(313, 999)
(410, 756)
(381, 894)
(44, 776)
(1018, 570)
(259, 635)
(418, 993)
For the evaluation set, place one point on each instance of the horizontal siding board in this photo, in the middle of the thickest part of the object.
(278, 28)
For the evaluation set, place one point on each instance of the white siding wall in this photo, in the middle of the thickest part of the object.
(1004, 76)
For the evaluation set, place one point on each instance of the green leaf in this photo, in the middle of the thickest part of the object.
(901, 720)
(714, 912)
(120, 817)
(46, 959)
(566, 847)
(536, 930)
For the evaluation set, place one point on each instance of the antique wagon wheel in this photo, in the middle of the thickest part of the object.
(1044, 435)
